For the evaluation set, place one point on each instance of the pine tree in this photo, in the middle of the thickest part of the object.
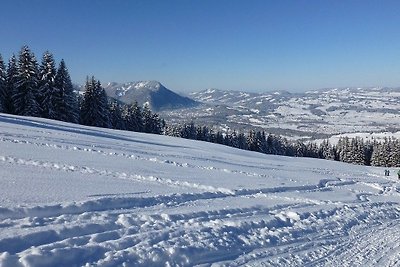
(262, 142)
(242, 144)
(188, 131)
(299, 149)
(133, 118)
(94, 110)
(312, 150)
(11, 80)
(252, 142)
(326, 150)
(25, 96)
(368, 152)
(357, 149)
(202, 133)
(152, 123)
(3, 86)
(377, 157)
(395, 156)
(234, 139)
(228, 140)
(271, 148)
(173, 130)
(116, 119)
(344, 150)
(219, 138)
(49, 94)
(68, 107)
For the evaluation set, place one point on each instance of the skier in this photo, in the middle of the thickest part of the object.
(398, 174)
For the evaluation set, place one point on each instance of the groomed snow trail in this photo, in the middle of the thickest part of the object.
(79, 196)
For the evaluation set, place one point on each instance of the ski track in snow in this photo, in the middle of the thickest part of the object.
(346, 217)
(129, 156)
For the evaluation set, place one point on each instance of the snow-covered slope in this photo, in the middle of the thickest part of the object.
(79, 196)
(151, 92)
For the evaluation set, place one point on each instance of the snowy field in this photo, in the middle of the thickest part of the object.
(79, 196)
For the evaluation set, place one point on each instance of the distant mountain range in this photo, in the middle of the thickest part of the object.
(309, 115)
(151, 92)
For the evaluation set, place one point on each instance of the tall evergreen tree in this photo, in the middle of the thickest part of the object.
(357, 149)
(242, 144)
(343, 149)
(148, 119)
(94, 110)
(395, 153)
(25, 96)
(3, 86)
(219, 138)
(326, 150)
(262, 142)
(116, 119)
(189, 131)
(133, 118)
(252, 142)
(68, 107)
(377, 157)
(49, 95)
(11, 80)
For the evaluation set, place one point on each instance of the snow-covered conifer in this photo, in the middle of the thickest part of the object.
(3, 86)
(252, 143)
(68, 107)
(326, 150)
(133, 118)
(25, 96)
(242, 141)
(117, 122)
(94, 109)
(262, 142)
(357, 151)
(49, 96)
(148, 119)
(11, 78)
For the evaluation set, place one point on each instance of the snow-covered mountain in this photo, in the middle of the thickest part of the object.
(151, 92)
(73, 195)
(314, 114)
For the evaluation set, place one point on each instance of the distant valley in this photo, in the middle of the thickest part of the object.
(310, 115)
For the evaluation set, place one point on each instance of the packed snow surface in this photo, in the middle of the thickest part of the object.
(79, 196)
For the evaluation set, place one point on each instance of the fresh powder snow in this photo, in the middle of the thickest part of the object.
(73, 195)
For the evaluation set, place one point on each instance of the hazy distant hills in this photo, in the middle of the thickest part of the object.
(309, 115)
(151, 92)
(312, 114)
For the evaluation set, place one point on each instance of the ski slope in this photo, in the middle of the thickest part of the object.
(80, 196)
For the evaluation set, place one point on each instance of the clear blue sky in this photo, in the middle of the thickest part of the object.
(190, 45)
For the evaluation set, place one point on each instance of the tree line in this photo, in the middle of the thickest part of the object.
(42, 90)
(384, 153)
(28, 88)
